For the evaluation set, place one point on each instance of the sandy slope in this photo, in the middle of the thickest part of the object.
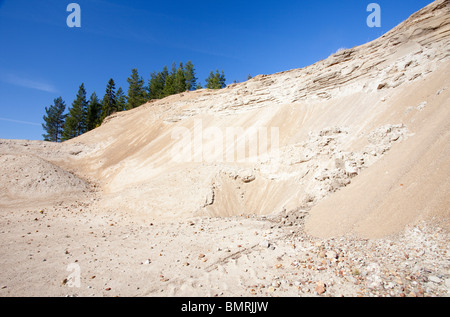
(357, 147)
(345, 112)
(410, 182)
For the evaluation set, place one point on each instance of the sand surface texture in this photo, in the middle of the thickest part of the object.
(347, 192)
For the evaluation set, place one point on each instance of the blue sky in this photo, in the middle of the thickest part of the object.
(41, 58)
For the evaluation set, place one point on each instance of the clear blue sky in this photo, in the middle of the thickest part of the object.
(41, 58)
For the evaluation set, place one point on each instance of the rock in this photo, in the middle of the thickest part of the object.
(320, 288)
(447, 283)
(209, 198)
(351, 170)
(421, 106)
(264, 244)
(434, 279)
(276, 284)
(248, 178)
(245, 175)
(331, 254)
(381, 86)
(421, 253)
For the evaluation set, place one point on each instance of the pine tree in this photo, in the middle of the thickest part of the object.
(136, 91)
(155, 86)
(152, 89)
(109, 102)
(189, 75)
(168, 86)
(121, 100)
(93, 112)
(162, 79)
(210, 81)
(216, 80)
(54, 121)
(75, 123)
(164, 74)
(179, 81)
(249, 77)
(174, 69)
(199, 86)
(222, 80)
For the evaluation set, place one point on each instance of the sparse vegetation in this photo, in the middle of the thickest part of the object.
(86, 115)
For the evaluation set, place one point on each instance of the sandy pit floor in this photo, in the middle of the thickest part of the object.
(72, 250)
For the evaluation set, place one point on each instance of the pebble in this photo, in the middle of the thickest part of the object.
(363, 267)
(434, 279)
(320, 288)
(447, 283)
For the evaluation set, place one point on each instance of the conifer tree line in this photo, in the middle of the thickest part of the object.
(87, 114)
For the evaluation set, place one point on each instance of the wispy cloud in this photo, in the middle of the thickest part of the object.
(16, 80)
(20, 121)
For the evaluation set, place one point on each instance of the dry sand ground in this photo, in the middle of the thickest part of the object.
(45, 244)
(354, 203)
